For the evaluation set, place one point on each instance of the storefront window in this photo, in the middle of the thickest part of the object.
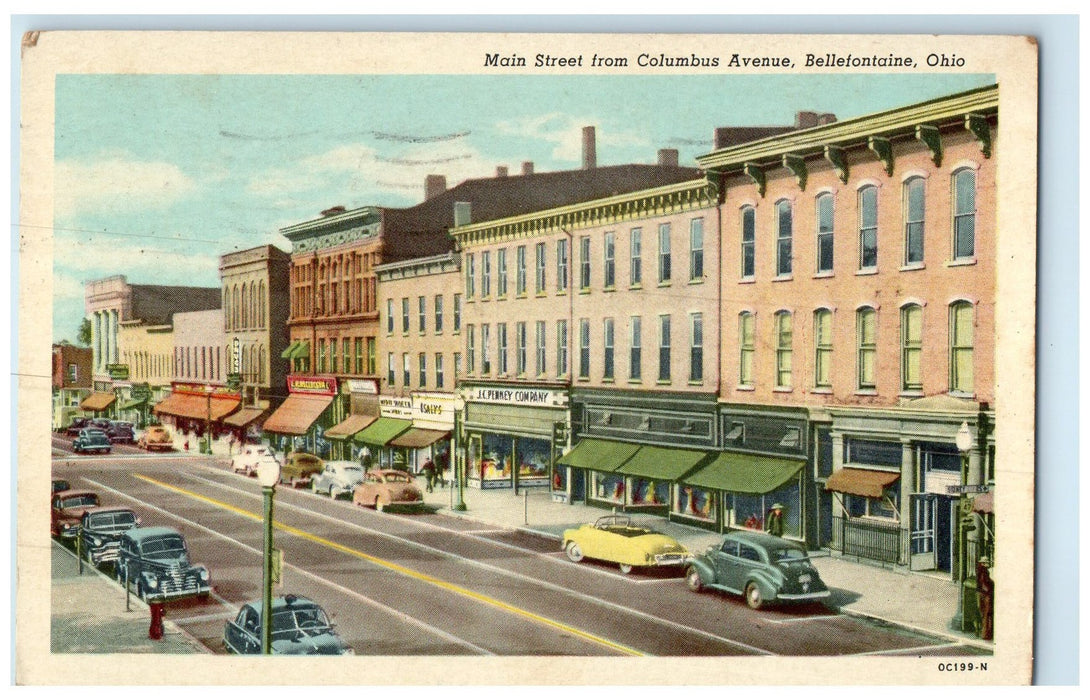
(648, 492)
(533, 460)
(560, 478)
(693, 502)
(493, 462)
(608, 487)
(747, 510)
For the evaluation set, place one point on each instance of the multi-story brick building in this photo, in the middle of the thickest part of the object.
(71, 381)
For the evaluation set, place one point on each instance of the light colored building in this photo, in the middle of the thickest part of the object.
(147, 359)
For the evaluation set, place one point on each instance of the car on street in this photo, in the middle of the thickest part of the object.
(616, 538)
(156, 437)
(246, 461)
(121, 431)
(382, 488)
(60, 485)
(337, 478)
(67, 509)
(299, 626)
(156, 561)
(299, 467)
(101, 530)
(92, 440)
(762, 568)
(78, 423)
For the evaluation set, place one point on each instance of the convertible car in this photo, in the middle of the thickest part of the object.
(615, 538)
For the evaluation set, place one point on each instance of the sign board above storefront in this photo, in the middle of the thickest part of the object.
(433, 411)
(203, 390)
(395, 407)
(359, 386)
(117, 371)
(301, 384)
(519, 396)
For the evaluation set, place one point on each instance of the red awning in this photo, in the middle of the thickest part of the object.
(197, 407)
(418, 437)
(296, 414)
(350, 426)
(868, 483)
(98, 401)
(985, 502)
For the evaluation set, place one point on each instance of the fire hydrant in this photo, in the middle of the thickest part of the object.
(155, 631)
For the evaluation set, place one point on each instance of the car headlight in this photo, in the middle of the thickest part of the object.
(96, 541)
(152, 581)
(204, 574)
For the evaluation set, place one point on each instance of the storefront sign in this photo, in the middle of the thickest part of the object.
(117, 371)
(516, 396)
(203, 390)
(433, 411)
(360, 386)
(300, 384)
(236, 355)
(395, 407)
(141, 392)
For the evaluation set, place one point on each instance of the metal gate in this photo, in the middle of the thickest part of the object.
(923, 538)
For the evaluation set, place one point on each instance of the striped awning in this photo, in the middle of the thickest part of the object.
(196, 406)
(350, 426)
(297, 414)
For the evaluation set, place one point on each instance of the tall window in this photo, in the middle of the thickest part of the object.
(867, 341)
(406, 369)
(389, 315)
(961, 347)
(438, 313)
(372, 356)
(911, 347)
(823, 349)
(696, 347)
(561, 348)
(471, 348)
(696, 249)
(333, 358)
(635, 358)
(486, 274)
(783, 349)
(486, 360)
(561, 264)
(422, 314)
(825, 233)
(584, 348)
(501, 272)
(346, 353)
(914, 217)
(471, 275)
(457, 365)
(784, 225)
(749, 235)
(438, 370)
(539, 356)
(457, 313)
(868, 228)
(964, 214)
(664, 348)
(635, 245)
(422, 366)
(664, 253)
(391, 370)
(607, 348)
(746, 348)
(520, 348)
(609, 263)
(539, 262)
(501, 348)
(358, 365)
(321, 355)
(405, 314)
(520, 270)
(584, 262)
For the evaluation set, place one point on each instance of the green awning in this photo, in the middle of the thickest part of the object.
(662, 463)
(129, 405)
(287, 354)
(301, 350)
(599, 455)
(383, 431)
(742, 473)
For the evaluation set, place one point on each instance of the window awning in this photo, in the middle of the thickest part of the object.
(287, 354)
(350, 426)
(197, 407)
(663, 463)
(302, 349)
(599, 455)
(129, 405)
(98, 401)
(419, 437)
(244, 416)
(745, 473)
(868, 483)
(985, 502)
(297, 414)
(382, 431)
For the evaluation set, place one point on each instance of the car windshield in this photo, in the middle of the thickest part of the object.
(77, 501)
(789, 555)
(353, 472)
(395, 477)
(124, 517)
(288, 623)
(161, 545)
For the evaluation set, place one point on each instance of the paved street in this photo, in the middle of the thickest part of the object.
(426, 583)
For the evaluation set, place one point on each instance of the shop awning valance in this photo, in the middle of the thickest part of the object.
(197, 407)
(985, 502)
(868, 483)
(745, 473)
(243, 417)
(419, 437)
(662, 463)
(296, 414)
(350, 426)
(383, 431)
(98, 401)
(599, 455)
(130, 405)
(287, 354)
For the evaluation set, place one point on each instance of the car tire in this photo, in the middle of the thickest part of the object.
(313, 486)
(334, 492)
(626, 569)
(693, 580)
(378, 504)
(574, 552)
(754, 598)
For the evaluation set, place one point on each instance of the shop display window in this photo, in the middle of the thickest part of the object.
(609, 487)
(493, 461)
(747, 510)
(560, 478)
(693, 502)
(533, 459)
(648, 492)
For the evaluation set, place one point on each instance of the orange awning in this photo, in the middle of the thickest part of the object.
(244, 416)
(418, 437)
(985, 502)
(868, 483)
(350, 426)
(197, 407)
(98, 401)
(296, 414)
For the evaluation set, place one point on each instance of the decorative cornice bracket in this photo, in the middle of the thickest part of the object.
(884, 150)
(757, 174)
(929, 135)
(978, 125)
(835, 155)
(797, 165)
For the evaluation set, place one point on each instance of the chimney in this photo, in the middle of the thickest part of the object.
(806, 120)
(462, 213)
(501, 171)
(668, 157)
(590, 157)
(433, 185)
(827, 118)
(527, 167)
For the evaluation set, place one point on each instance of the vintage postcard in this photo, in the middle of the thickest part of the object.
(553, 359)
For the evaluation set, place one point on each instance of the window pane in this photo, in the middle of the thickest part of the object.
(748, 234)
(783, 238)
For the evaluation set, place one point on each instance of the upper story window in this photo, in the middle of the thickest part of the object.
(471, 275)
(607, 348)
(438, 313)
(784, 226)
(635, 268)
(783, 349)
(501, 348)
(911, 347)
(696, 347)
(501, 272)
(520, 270)
(539, 355)
(749, 234)
(405, 314)
(961, 347)
(746, 348)
(868, 228)
(391, 369)
(539, 263)
(486, 274)
(422, 314)
(486, 360)
(825, 233)
(696, 249)
(914, 220)
(823, 349)
(389, 315)
(520, 348)
(584, 348)
(438, 370)
(664, 253)
(636, 349)
(609, 267)
(471, 348)
(664, 348)
(964, 214)
(406, 370)
(584, 262)
(457, 313)
(422, 366)
(561, 348)
(866, 329)
(561, 264)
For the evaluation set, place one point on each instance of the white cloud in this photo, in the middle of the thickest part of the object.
(565, 132)
(144, 261)
(117, 182)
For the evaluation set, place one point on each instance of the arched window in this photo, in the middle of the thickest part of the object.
(868, 228)
(914, 206)
(961, 347)
(746, 348)
(784, 228)
(227, 310)
(783, 348)
(261, 302)
(749, 235)
(823, 349)
(866, 331)
(825, 232)
(911, 347)
(261, 364)
(234, 307)
(964, 213)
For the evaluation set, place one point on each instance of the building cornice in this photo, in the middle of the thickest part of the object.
(337, 229)
(416, 267)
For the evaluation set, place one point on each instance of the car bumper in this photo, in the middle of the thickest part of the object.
(671, 560)
(797, 597)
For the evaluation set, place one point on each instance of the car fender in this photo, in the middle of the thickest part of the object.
(770, 588)
(707, 573)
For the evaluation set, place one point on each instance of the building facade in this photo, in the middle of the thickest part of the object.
(71, 382)
(146, 371)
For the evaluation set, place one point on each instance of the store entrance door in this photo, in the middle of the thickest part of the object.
(924, 543)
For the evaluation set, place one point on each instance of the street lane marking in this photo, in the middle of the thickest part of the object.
(793, 620)
(499, 570)
(393, 612)
(420, 576)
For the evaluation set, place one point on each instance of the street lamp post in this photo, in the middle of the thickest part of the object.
(460, 456)
(268, 475)
(208, 421)
(964, 441)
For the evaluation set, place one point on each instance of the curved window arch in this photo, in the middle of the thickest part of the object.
(911, 347)
(234, 306)
(747, 347)
(261, 364)
(823, 348)
(961, 347)
(784, 343)
(245, 305)
(227, 310)
(784, 230)
(749, 237)
(964, 184)
(261, 310)
(914, 190)
(866, 331)
(824, 205)
(868, 227)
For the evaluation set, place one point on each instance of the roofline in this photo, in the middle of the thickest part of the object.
(322, 221)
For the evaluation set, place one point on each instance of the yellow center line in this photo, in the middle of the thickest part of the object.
(488, 600)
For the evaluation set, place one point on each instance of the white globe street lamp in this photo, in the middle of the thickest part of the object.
(268, 475)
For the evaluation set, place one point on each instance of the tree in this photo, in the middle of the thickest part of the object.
(84, 335)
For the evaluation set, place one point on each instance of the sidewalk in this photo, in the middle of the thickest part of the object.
(89, 616)
(915, 601)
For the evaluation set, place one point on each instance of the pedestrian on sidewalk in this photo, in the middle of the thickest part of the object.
(774, 521)
(429, 474)
(985, 592)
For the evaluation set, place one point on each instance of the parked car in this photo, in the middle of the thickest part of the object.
(761, 567)
(382, 488)
(121, 431)
(246, 462)
(616, 538)
(101, 531)
(102, 424)
(156, 561)
(156, 437)
(91, 440)
(78, 423)
(299, 467)
(337, 478)
(66, 510)
(60, 485)
(299, 626)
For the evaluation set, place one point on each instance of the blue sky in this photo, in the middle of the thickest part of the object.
(156, 176)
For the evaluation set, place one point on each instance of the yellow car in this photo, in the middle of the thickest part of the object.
(615, 538)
